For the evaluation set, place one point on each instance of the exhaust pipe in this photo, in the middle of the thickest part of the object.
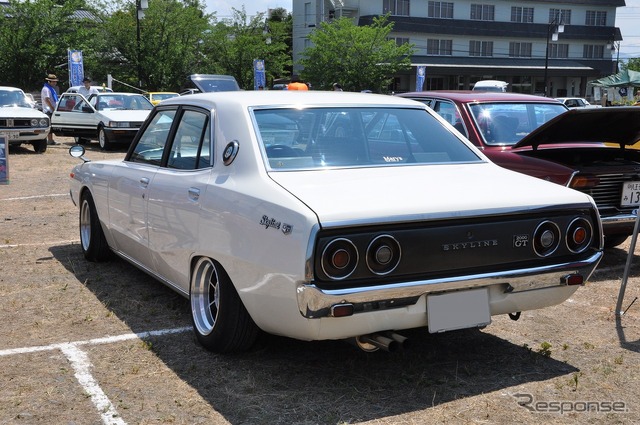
(387, 341)
(403, 341)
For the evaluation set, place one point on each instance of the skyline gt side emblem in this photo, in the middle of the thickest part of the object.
(269, 222)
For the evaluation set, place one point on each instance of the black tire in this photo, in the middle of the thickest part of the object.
(92, 240)
(614, 240)
(220, 320)
(103, 140)
(40, 146)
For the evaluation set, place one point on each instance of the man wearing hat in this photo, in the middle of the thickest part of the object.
(49, 97)
(86, 90)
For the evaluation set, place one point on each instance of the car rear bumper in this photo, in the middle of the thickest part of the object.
(314, 302)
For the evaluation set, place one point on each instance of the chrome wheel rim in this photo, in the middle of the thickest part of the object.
(102, 138)
(205, 296)
(85, 225)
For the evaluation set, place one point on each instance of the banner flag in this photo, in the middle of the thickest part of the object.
(259, 79)
(420, 77)
(76, 67)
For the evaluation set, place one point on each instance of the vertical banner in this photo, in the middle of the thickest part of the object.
(259, 79)
(4, 159)
(420, 77)
(76, 67)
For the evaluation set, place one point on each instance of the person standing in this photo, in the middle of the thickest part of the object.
(337, 87)
(297, 84)
(86, 90)
(49, 97)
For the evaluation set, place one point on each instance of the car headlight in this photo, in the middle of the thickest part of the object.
(44, 122)
(119, 124)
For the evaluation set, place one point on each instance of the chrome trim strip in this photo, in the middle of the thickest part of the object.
(314, 302)
(151, 273)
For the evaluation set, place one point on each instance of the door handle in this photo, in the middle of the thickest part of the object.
(144, 182)
(194, 193)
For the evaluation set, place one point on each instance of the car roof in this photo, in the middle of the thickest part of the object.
(466, 96)
(280, 98)
(7, 88)
(117, 93)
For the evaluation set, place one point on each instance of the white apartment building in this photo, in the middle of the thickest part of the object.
(524, 43)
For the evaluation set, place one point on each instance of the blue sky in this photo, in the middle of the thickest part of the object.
(627, 18)
(223, 7)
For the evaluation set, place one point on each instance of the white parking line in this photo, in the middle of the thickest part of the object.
(16, 245)
(23, 198)
(82, 367)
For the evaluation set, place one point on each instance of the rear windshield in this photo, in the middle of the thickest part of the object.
(504, 124)
(356, 136)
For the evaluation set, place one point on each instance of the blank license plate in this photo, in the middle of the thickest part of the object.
(458, 310)
(630, 194)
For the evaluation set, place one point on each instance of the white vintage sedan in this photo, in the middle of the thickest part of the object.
(324, 215)
(20, 122)
(111, 118)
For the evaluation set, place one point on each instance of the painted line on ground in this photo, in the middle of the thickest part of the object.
(24, 198)
(18, 245)
(81, 365)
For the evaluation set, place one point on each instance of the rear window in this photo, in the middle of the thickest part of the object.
(356, 136)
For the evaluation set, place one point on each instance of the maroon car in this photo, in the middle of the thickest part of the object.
(585, 149)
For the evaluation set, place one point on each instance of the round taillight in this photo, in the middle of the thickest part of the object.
(383, 255)
(579, 235)
(339, 258)
(546, 238)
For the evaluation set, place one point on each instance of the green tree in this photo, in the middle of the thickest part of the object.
(233, 44)
(357, 57)
(632, 64)
(34, 37)
(171, 37)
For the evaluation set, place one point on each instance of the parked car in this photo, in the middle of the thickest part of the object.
(101, 89)
(505, 127)
(20, 122)
(491, 85)
(111, 118)
(206, 83)
(326, 215)
(156, 97)
(576, 102)
(31, 100)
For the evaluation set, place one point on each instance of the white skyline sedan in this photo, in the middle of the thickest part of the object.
(325, 215)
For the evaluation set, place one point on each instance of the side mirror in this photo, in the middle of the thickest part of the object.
(78, 151)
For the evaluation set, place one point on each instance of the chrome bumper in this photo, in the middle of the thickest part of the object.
(314, 302)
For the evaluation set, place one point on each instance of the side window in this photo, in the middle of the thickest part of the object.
(190, 148)
(449, 112)
(68, 102)
(151, 145)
